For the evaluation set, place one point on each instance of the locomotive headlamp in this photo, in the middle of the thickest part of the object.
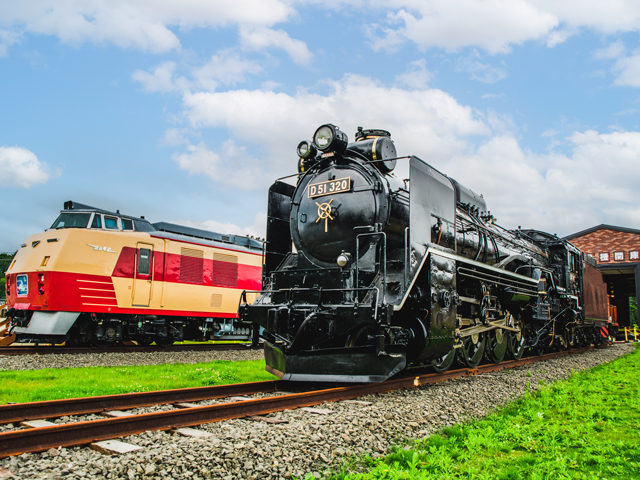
(307, 153)
(306, 150)
(329, 137)
(344, 259)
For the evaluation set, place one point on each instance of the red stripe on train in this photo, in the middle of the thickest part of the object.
(166, 268)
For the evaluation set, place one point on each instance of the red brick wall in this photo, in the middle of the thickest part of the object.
(609, 242)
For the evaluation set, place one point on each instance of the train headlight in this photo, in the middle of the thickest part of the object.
(306, 150)
(344, 259)
(330, 137)
(307, 153)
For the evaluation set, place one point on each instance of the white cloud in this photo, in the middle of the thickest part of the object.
(140, 24)
(497, 25)
(493, 25)
(233, 171)
(595, 183)
(625, 67)
(21, 168)
(225, 67)
(428, 122)
(614, 50)
(482, 72)
(628, 70)
(492, 96)
(161, 79)
(417, 76)
(261, 38)
(7, 38)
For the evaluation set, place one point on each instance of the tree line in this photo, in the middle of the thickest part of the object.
(5, 261)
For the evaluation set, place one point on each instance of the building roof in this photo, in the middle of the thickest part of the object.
(602, 227)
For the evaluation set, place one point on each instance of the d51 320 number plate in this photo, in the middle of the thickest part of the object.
(329, 187)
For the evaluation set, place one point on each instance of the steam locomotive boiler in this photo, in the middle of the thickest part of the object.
(389, 273)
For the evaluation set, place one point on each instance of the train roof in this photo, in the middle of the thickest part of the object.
(71, 205)
(216, 238)
(177, 232)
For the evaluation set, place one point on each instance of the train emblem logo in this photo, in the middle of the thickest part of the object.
(98, 248)
(324, 213)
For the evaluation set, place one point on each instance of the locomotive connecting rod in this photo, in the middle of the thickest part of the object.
(467, 332)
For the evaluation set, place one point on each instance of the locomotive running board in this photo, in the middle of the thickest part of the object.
(345, 365)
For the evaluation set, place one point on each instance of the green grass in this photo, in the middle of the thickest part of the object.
(50, 384)
(587, 427)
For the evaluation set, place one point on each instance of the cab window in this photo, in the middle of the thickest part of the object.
(126, 224)
(97, 221)
(110, 223)
(143, 226)
(72, 220)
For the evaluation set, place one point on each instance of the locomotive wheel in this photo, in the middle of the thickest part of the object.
(497, 345)
(472, 350)
(144, 342)
(164, 343)
(516, 342)
(417, 338)
(442, 364)
(362, 337)
(103, 343)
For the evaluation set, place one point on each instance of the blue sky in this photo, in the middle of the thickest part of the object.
(187, 111)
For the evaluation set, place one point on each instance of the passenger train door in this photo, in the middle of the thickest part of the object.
(142, 276)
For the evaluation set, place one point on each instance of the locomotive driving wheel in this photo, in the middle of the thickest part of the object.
(516, 340)
(497, 343)
(442, 364)
(472, 350)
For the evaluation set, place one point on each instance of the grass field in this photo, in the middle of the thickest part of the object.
(587, 427)
(51, 384)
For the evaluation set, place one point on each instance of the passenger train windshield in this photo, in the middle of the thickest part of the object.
(100, 221)
(72, 220)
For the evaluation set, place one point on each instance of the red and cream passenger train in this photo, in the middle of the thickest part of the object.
(100, 277)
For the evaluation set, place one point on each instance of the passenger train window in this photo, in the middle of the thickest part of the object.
(97, 221)
(126, 224)
(110, 223)
(144, 261)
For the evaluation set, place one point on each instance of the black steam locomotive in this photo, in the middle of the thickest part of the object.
(388, 273)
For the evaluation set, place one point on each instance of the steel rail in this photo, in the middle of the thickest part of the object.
(18, 412)
(31, 350)
(80, 433)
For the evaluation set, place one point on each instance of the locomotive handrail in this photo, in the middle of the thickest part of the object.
(243, 295)
(519, 286)
(407, 259)
(383, 262)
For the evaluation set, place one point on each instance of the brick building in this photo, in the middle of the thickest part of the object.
(617, 251)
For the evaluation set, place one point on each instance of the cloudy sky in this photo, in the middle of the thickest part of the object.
(186, 110)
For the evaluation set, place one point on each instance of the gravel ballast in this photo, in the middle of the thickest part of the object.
(308, 443)
(122, 359)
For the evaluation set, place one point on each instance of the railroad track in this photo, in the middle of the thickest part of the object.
(85, 432)
(48, 350)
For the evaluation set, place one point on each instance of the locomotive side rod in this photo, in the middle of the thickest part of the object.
(82, 433)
